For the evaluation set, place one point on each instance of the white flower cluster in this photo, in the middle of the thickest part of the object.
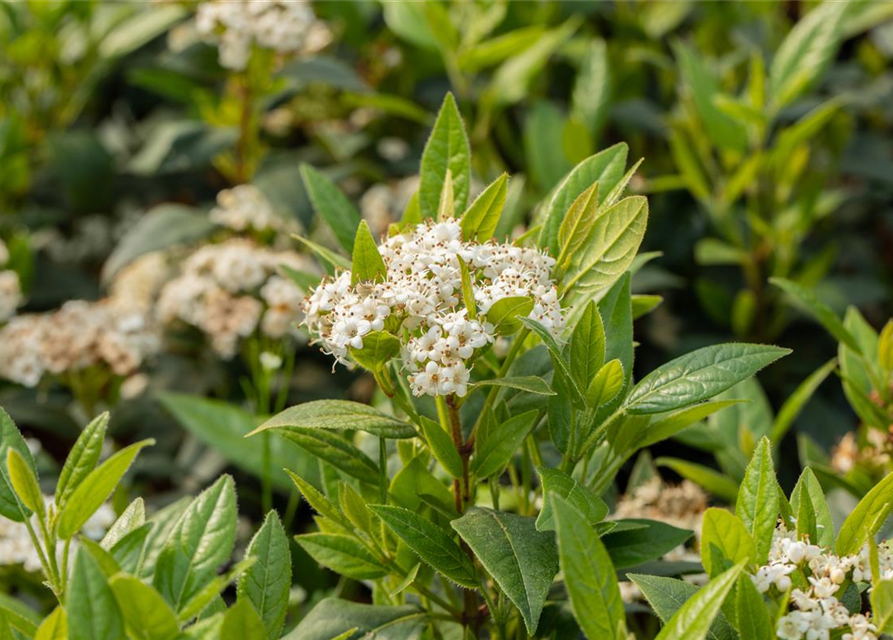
(10, 287)
(138, 283)
(423, 295)
(284, 26)
(79, 335)
(245, 207)
(816, 611)
(872, 454)
(16, 547)
(230, 289)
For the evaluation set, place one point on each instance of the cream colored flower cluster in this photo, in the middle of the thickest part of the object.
(10, 287)
(231, 289)
(423, 296)
(79, 335)
(873, 455)
(816, 611)
(245, 207)
(284, 26)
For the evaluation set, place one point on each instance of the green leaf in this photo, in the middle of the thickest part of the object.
(823, 521)
(605, 167)
(442, 446)
(716, 483)
(93, 612)
(128, 550)
(680, 420)
(320, 503)
(493, 452)
(805, 515)
(54, 626)
(333, 618)
(504, 314)
(23, 478)
(338, 414)
(692, 621)
(207, 599)
(266, 584)
(447, 149)
(355, 508)
(337, 451)
(806, 52)
(610, 247)
(530, 384)
(342, 554)
(606, 384)
(589, 575)
(578, 222)
(797, 400)
(480, 220)
(591, 98)
(667, 595)
(379, 348)
(467, 289)
(243, 622)
(96, 489)
(146, 614)
(652, 539)
(699, 375)
(446, 208)
(330, 259)
(587, 347)
(753, 618)
(82, 459)
(332, 206)
(431, 543)
(882, 605)
(757, 503)
(164, 524)
(204, 540)
(808, 301)
(131, 519)
(563, 377)
(578, 496)
(223, 426)
(367, 264)
(866, 519)
(522, 560)
(542, 135)
(10, 438)
(727, 533)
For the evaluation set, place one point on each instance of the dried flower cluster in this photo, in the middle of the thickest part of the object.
(10, 287)
(245, 207)
(873, 454)
(284, 26)
(77, 336)
(423, 295)
(231, 289)
(816, 611)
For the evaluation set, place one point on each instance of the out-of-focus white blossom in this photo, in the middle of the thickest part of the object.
(10, 287)
(236, 26)
(231, 289)
(815, 611)
(245, 207)
(383, 204)
(423, 295)
(138, 283)
(79, 335)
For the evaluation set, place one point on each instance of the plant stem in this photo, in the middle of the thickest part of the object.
(494, 391)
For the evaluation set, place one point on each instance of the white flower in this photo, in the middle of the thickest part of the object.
(270, 361)
(10, 294)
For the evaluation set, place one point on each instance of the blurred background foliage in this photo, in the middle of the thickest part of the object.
(765, 130)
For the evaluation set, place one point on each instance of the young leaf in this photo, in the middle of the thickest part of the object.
(331, 260)
(379, 348)
(333, 618)
(504, 314)
(431, 543)
(355, 508)
(446, 208)
(93, 612)
(809, 302)
(10, 438)
(318, 501)
(341, 415)
(24, 480)
(128, 550)
(82, 459)
(266, 583)
(606, 384)
(367, 264)
(578, 496)
(342, 554)
(54, 626)
(480, 220)
(442, 446)
(699, 375)
(823, 522)
(243, 622)
(446, 150)
(866, 519)
(332, 206)
(467, 289)
(650, 540)
(502, 442)
(587, 346)
(530, 384)
(578, 222)
(882, 606)
(588, 574)
(757, 503)
(522, 560)
(753, 618)
(727, 533)
(692, 621)
(146, 614)
(335, 450)
(667, 595)
(95, 489)
(133, 517)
